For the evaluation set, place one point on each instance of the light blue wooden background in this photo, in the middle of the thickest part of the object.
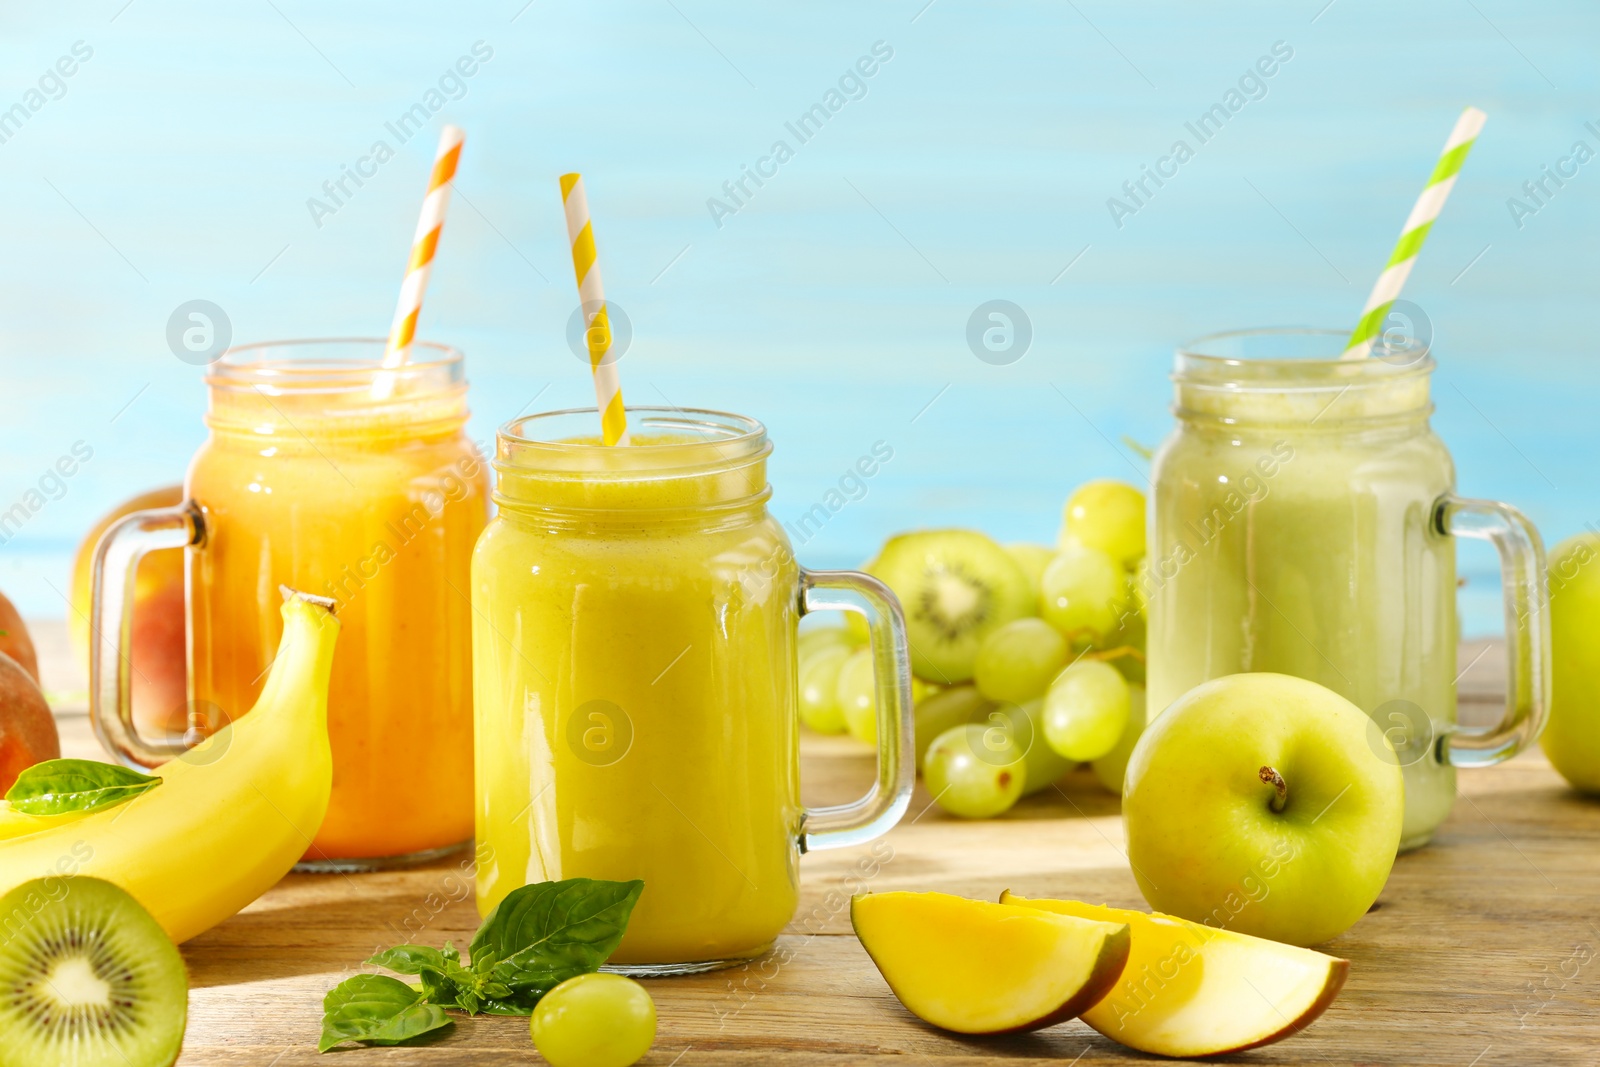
(179, 160)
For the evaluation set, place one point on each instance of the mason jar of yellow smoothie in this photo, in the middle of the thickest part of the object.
(329, 474)
(1304, 523)
(634, 664)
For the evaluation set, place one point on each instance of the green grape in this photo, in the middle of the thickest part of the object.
(1138, 583)
(1044, 765)
(974, 771)
(1132, 668)
(949, 707)
(1016, 661)
(857, 695)
(1083, 594)
(819, 689)
(816, 639)
(1032, 558)
(1108, 515)
(594, 1020)
(1086, 710)
(855, 628)
(1110, 767)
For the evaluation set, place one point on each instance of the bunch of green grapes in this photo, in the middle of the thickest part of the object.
(1082, 658)
(1048, 639)
(1094, 593)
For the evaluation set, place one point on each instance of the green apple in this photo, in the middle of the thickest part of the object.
(1572, 735)
(1257, 803)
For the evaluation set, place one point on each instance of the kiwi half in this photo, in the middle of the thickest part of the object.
(87, 978)
(955, 586)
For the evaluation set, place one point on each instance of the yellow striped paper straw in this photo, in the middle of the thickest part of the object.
(1415, 231)
(423, 246)
(597, 332)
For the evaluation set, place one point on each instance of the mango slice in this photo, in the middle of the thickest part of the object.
(981, 968)
(1194, 990)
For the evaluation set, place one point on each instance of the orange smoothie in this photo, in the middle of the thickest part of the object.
(321, 475)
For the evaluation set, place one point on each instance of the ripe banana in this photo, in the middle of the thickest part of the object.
(230, 817)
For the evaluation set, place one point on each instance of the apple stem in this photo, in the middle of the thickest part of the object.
(1271, 777)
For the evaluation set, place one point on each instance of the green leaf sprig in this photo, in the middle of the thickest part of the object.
(61, 786)
(536, 938)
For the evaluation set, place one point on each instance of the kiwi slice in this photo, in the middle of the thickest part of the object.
(87, 978)
(955, 587)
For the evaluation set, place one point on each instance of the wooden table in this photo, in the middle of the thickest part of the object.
(1482, 949)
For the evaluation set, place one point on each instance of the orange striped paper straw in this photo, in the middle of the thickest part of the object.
(423, 246)
(591, 295)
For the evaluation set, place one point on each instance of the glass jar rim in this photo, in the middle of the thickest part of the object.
(568, 440)
(297, 366)
(1206, 361)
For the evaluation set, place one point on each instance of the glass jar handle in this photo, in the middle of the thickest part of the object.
(116, 563)
(842, 825)
(1527, 609)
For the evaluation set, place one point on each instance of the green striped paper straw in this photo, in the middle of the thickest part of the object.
(1429, 204)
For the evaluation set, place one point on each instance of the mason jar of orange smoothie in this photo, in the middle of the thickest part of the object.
(330, 474)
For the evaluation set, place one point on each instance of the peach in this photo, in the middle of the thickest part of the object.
(27, 729)
(14, 639)
(160, 671)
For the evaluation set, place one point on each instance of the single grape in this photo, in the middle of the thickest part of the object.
(1131, 667)
(819, 689)
(974, 771)
(1043, 764)
(949, 707)
(1086, 710)
(1108, 515)
(1016, 661)
(594, 1020)
(1032, 558)
(855, 628)
(816, 639)
(1110, 767)
(1139, 585)
(857, 696)
(1083, 594)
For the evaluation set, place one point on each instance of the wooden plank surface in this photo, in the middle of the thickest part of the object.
(1480, 951)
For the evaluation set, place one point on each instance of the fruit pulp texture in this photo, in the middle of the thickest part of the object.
(1302, 545)
(637, 714)
(382, 518)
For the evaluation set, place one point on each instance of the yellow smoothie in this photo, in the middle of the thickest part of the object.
(635, 695)
(310, 479)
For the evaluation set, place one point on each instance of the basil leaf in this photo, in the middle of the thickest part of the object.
(409, 959)
(376, 1009)
(542, 934)
(522, 1005)
(448, 988)
(59, 786)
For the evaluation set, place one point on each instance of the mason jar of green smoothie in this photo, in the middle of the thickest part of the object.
(1304, 524)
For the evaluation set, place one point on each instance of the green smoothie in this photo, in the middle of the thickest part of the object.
(1295, 532)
